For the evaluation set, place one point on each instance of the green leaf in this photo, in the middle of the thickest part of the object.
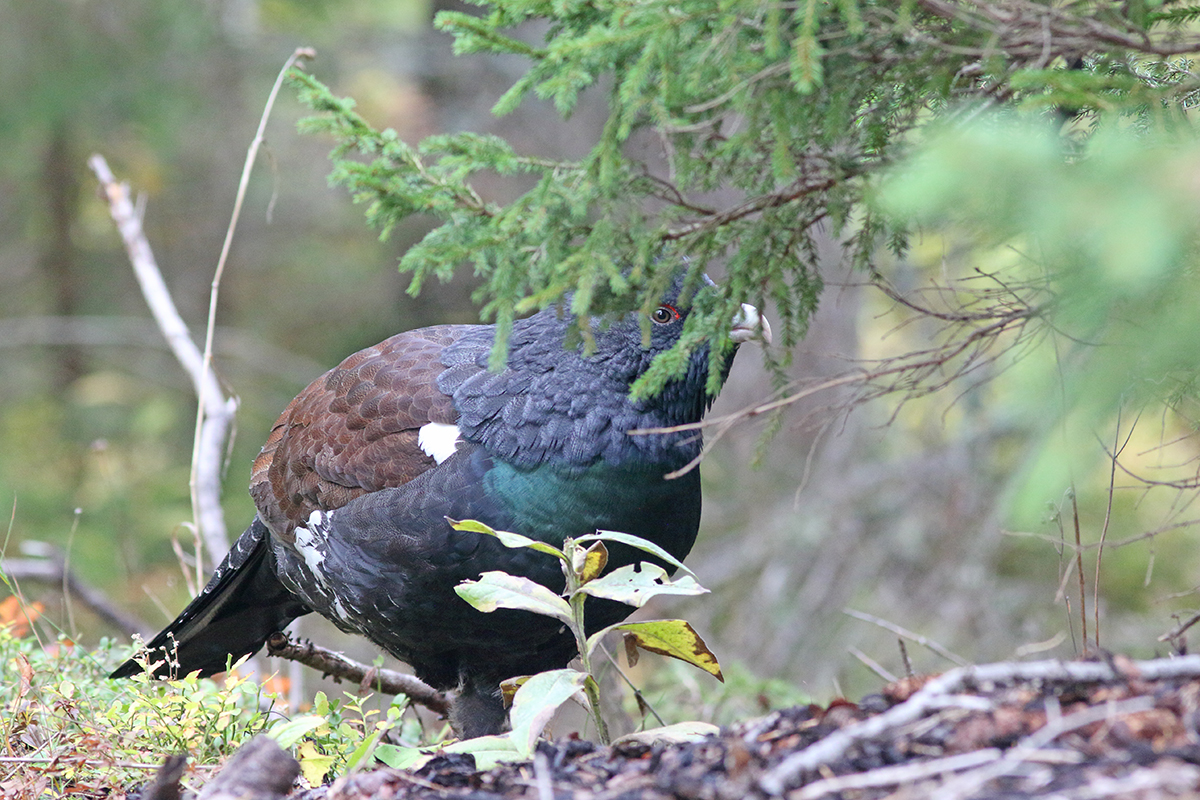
(537, 700)
(400, 757)
(636, 586)
(496, 589)
(362, 754)
(639, 543)
(507, 538)
(488, 750)
(287, 732)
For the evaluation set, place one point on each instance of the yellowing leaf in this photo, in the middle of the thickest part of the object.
(500, 590)
(314, 765)
(590, 562)
(668, 637)
(508, 688)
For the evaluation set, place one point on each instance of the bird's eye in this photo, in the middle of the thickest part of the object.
(664, 314)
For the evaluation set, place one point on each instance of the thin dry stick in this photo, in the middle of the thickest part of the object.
(1079, 569)
(637, 693)
(48, 565)
(206, 496)
(1062, 399)
(907, 634)
(872, 665)
(198, 474)
(1180, 629)
(1118, 448)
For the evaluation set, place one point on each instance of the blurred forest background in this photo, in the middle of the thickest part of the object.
(944, 514)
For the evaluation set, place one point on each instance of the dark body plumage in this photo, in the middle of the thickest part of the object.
(357, 478)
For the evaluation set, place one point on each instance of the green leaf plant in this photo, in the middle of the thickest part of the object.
(536, 698)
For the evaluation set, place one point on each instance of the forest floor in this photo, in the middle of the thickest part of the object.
(1110, 728)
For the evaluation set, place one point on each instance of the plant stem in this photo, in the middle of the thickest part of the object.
(576, 599)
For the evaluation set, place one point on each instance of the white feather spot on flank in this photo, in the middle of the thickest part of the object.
(306, 546)
(438, 440)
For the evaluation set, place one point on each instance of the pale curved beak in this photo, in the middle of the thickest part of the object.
(750, 324)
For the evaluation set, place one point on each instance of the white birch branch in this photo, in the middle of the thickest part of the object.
(218, 410)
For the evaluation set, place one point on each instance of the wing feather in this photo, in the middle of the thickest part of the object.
(355, 429)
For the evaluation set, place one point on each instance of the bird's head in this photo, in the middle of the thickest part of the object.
(629, 348)
(560, 398)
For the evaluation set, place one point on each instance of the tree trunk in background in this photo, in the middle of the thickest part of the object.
(58, 258)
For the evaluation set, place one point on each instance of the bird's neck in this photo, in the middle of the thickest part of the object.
(549, 502)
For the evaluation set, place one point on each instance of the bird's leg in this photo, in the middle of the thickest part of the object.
(477, 710)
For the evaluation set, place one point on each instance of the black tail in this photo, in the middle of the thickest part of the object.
(241, 606)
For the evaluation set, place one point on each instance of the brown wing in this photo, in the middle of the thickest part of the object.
(353, 430)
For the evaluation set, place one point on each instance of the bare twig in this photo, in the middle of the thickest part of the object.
(1118, 448)
(1180, 629)
(907, 634)
(873, 665)
(1038, 32)
(1079, 569)
(915, 374)
(203, 477)
(341, 668)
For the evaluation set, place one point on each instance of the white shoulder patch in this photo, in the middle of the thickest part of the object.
(438, 440)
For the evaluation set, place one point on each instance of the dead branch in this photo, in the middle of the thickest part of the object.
(968, 784)
(340, 668)
(48, 565)
(166, 783)
(114, 331)
(217, 409)
(259, 770)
